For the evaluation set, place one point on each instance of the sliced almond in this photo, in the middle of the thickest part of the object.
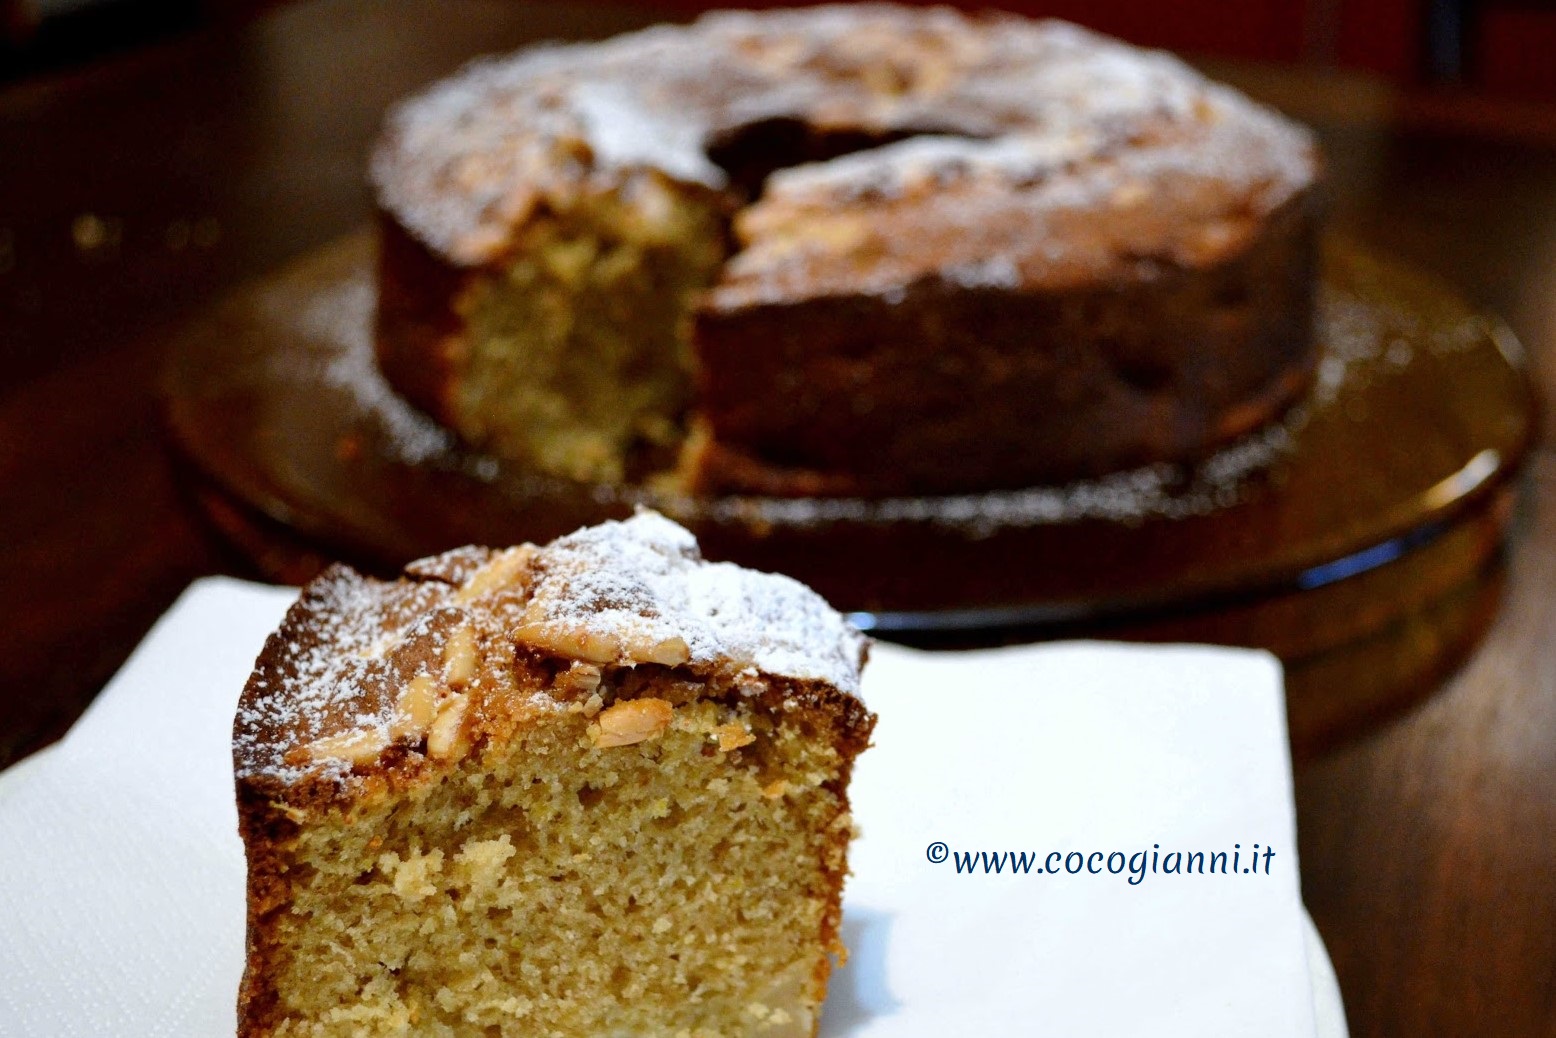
(582, 679)
(671, 652)
(459, 656)
(632, 721)
(415, 709)
(506, 569)
(446, 738)
(359, 747)
(590, 646)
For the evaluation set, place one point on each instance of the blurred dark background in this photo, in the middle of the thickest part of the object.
(1500, 46)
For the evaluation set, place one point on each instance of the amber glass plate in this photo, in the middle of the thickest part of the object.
(1382, 496)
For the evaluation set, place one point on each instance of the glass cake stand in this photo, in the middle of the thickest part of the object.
(1359, 539)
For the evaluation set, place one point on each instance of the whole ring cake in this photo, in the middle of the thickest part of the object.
(861, 250)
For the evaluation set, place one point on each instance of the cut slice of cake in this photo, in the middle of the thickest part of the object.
(595, 788)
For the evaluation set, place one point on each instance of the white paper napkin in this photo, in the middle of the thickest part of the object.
(121, 875)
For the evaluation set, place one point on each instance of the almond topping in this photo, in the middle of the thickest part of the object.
(579, 644)
(633, 721)
(505, 569)
(446, 737)
(671, 652)
(359, 747)
(415, 709)
(580, 679)
(459, 658)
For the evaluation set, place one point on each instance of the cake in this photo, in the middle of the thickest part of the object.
(858, 250)
(593, 788)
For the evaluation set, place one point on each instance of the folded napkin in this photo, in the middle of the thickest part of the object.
(1034, 822)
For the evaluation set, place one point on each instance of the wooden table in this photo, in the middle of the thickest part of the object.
(133, 192)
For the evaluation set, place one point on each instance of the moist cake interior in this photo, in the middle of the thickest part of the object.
(564, 869)
(580, 359)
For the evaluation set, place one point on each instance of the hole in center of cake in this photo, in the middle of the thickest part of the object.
(750, 154)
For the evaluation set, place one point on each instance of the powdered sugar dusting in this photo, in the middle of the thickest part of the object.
(1134, 495)
(352, 643)
(1005, 99)
(993, 272)
(626, 133)
(1058, 206)
(932, 159)
(332, 674)
(643, 580)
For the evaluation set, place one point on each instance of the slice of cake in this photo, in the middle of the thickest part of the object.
(594, 788)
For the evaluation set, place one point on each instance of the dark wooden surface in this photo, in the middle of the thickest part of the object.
(135, 191)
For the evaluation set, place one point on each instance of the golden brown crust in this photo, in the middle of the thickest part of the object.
(266, 834)
(953, 389)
